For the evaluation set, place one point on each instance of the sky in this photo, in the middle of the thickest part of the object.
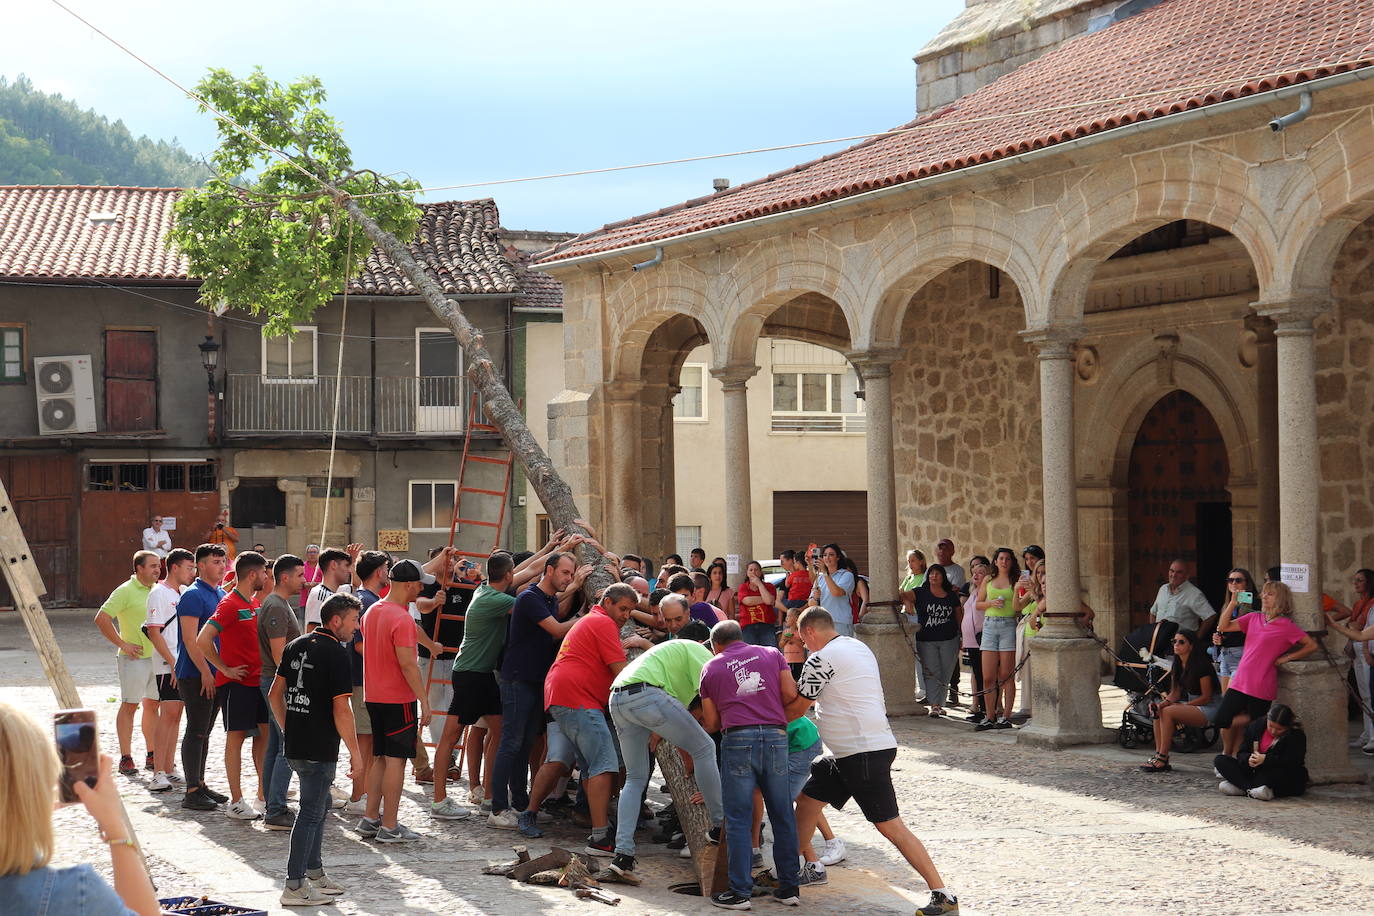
(458, 92)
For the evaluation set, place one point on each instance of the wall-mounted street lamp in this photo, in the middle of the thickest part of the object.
(209, 358)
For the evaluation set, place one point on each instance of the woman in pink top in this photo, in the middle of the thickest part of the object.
(720, 594)
(972, 632)
(1271, 639)
(313, 574)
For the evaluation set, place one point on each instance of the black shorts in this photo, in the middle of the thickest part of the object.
(394, 729)
(866, 778)
(475, 694)
(1233, 703)
(167, 691)
(244, 708)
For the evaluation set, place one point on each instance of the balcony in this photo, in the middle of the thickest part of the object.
(382, 406)
(852, 423)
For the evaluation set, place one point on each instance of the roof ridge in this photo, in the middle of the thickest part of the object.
(90, 187)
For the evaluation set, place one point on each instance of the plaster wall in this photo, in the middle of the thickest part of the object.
(543, 381)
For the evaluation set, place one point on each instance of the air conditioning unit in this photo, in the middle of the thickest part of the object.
(66, 395)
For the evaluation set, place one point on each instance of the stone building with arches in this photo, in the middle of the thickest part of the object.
(1100, 303)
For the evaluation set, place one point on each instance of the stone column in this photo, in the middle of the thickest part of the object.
(1267, 436)
(1064, 673)
(739, 512)
(620, 526)
(667, 476)
(1312, 687)
(879, 629)
(295, 489)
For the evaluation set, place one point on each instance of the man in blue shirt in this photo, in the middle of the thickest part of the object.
(195, 677)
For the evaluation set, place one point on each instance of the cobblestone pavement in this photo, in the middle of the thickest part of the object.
(1012, 829)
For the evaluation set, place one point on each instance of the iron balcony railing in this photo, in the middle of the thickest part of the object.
(819, 423)
(381, 406)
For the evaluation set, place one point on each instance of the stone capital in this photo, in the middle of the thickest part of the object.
(875, 363)
(1054, 341)
(734, 378)
(1261, 326)
(624, 390)
(1294, 314)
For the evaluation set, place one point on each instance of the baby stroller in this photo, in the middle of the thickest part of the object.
(1146, 682)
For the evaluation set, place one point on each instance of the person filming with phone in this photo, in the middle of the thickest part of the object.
(31, 771)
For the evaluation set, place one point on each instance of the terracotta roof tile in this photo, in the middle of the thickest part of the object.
(55, 232)
(1180, 55)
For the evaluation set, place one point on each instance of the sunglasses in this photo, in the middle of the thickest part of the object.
(1236, 579)
(1180, 642)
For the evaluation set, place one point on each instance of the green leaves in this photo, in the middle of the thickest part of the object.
(265, 234)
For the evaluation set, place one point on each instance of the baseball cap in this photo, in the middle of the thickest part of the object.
(410, 571)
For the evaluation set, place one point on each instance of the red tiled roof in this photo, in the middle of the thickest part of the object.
(57, 232)
(1180, 55)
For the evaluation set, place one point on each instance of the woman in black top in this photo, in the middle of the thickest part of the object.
(1272, 761)
(938, 617)
(1193, 697)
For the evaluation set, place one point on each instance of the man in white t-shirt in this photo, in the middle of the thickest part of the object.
(336, 572)
(157, 540)
(162, 630)
(841, 678)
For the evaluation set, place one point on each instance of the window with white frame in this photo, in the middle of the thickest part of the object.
(431, 504)
(688, 539)
(11, 353)
(690, 402)
(815, 392)
(291, 358)
(815, 389)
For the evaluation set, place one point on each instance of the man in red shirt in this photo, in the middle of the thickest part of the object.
(229, 642)
(391, 688)
(577, 692)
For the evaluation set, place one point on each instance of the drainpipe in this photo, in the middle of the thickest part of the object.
(656, 259)
(1286, 121)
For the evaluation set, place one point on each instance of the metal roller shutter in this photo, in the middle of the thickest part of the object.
(823, 516)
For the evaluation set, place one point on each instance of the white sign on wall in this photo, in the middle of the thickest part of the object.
(732, 564)
(1295, 576)
(169, 523)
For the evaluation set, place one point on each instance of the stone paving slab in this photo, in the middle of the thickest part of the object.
(1013, 829)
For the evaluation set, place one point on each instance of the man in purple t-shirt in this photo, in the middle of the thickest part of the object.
(747, 691)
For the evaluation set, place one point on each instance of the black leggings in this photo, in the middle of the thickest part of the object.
(1286, 781)
(1233, 703)
(195, 743)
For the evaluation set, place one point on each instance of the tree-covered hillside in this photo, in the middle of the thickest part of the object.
(46, 139)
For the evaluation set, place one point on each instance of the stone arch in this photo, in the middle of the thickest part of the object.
(1102, 215)
(644, 303)
(919, 245)
(796, 286)
(1136, 375)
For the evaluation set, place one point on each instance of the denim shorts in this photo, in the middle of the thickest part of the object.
(590, 733)
(799, 767)
(1228, 660)
(999, 634)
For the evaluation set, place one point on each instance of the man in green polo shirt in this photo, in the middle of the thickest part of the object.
(651, 696)
(120, 620)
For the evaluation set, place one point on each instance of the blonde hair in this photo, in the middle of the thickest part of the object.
(1283, 598)
(29, 770)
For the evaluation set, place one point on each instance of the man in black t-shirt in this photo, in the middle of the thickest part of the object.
(311, 699)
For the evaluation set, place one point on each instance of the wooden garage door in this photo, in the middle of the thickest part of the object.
(43, 490)
(823, 516)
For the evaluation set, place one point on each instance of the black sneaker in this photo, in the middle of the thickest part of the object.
(787, 896)
(940, 904)
(713, 836)
(729, 900)
(622, 865)
(603, 845)
(284, 821)
(975, 717)
(985, 725)
(198, 800)
(813, 873)
(679, 841)
(218, 798)
(1003, 723)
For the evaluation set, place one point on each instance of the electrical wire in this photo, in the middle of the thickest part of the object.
(1216, 83)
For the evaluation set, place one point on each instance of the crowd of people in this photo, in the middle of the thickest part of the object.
(776, 709)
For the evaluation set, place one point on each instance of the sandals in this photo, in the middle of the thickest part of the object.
(1159, 763)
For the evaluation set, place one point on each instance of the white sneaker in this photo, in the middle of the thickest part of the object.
(175, 779)
(1230, 788)
(324, 885)
(305, 895)
(242, 810)
(685, 852)
(358, 807)
(475, 796)
(1261, 793)
(337, 797)
(160, 783)
(506, 820)
(449, 810)
(834, 852)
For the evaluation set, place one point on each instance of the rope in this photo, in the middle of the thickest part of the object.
(338, 389)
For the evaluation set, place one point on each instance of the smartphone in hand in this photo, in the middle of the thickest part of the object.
(75, 732)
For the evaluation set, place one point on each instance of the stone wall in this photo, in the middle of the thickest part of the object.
(966, 407)
(1345, 383)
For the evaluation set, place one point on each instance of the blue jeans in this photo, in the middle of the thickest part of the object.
(522, 715)
(308, 834)
(799, 767)
(761, 634)
(591, 737)
(756, 755)
(653, 711)
(278, 772)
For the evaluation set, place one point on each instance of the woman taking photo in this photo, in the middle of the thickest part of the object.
(1272, 762)
(996, 599)
(720, 594)
(834, 585)
(1230, 645)
(29, 773)
(1193, 699)
(937, 619)
(1271, 639)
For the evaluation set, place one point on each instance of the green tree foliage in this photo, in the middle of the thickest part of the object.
(264, 234)
(46, 139)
